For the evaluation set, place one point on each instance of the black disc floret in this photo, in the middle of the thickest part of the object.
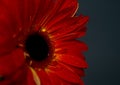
(37, 47)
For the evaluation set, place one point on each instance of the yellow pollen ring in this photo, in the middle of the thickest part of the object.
(20, 45)
(43, 29)
(26, 54)
(30, 63)
(35, 76)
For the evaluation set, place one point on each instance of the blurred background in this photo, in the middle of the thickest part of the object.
(103, 41)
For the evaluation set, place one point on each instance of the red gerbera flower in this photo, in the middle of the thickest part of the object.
(38, 43)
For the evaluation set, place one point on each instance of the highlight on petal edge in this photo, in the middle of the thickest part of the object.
(38, 42)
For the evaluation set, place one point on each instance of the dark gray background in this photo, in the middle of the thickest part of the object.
(103, 40)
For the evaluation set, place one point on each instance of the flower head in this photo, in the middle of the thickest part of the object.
(38, 44)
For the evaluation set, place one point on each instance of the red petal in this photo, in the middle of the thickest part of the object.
(76, 61)
(79, 71)
(74, 44)
(69, 29)
(43, 9)
(30, 80)
(66, 24)
(73, 4)
(60, 10)
(44, 78)
(64, 73)
(49, 78)
(16, 78)
(54, 79)
(19, 77)
(11, 62)
(58, 81)
(8, 31)
(73, 48)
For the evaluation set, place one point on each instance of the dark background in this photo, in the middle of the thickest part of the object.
(103, 41)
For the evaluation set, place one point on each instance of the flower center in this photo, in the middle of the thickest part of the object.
(1, 78)
(37, 47)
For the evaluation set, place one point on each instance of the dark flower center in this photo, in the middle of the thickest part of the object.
(37, 47)
(1, 78)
